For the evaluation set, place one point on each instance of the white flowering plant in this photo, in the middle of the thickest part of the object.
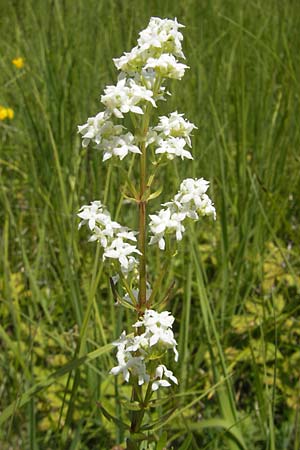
(144, 73)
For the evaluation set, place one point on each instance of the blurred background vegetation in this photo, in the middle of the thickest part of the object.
(237, 281)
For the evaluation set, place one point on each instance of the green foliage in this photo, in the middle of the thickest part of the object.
(234, 285)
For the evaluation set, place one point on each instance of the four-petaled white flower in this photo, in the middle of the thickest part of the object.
(166, 221)
(191, 202)
(129, 364)
(167, 66)
(175, 125)
(118, 249)
(159, 382)
(125, 97)
(107, 137)
(173, 146)
(98, 128)
(134, 352)
(111, 235)
(162, 36)
(158, 329)
(118, 146)
(153, 320)
(90, 214)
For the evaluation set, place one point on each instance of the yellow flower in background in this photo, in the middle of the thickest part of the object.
(3, 113)
(18, 62)
(6, 113)
(10, 113)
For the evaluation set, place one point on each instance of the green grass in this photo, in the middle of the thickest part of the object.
(237, 291)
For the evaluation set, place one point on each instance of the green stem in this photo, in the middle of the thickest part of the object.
(142, 301)
(142, 232)
(137, 416)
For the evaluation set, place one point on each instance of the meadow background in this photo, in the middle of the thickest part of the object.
(237, 281)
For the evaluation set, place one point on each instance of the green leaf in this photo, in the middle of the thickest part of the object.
(111, 418)
(187, 443)
(160, 422)
(162, 443)
(138, 437)
(155, 194)
(119, 299)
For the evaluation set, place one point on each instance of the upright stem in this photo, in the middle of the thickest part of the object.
(137, 393)
(142, 215)
(142, 230)
(142, 301)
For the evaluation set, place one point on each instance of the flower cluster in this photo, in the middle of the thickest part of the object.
(158, 42)
(125, 96)
(191, 201)
(135, 353)
(176, 126)
(140, 84)
(111, 235)
(6, 113)
(107, 136)
(171, 135)
(167, 66)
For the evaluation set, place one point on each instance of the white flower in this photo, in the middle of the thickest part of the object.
(134, 352)
(139, 342)
(166, 221)
(125, 97)
(121, 341)
(159, 382)
(118, 146)
(90, 214)
(98, 128)
(158, 225)
(165, 338)
(125, 233)
(153, 320)
(191, 202)
(160, 36)
(167, 66)
(107, 137)
(158, 329)
(121, 250)
(111, 235)
(191, 185)
(175, 125)
(101, 235)
(132, 61)
(173, 146)
(139, 93)
(127, 363)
